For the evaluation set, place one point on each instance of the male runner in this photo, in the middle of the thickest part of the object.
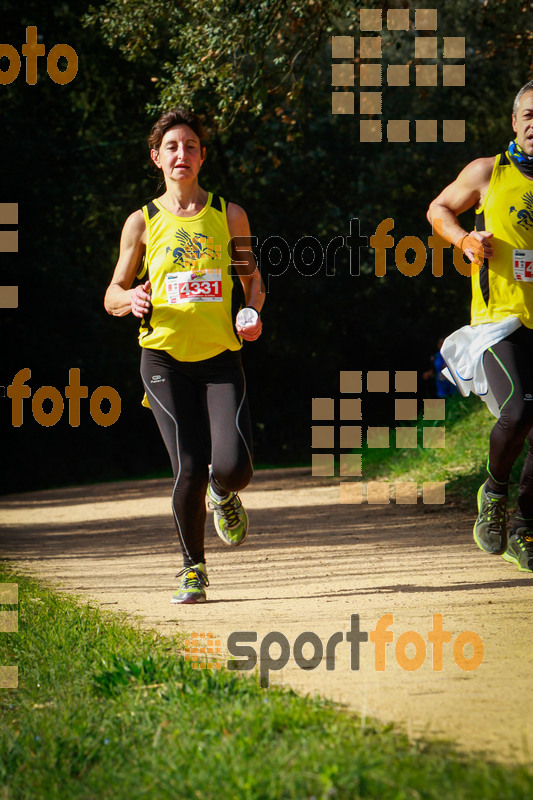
(499, 342)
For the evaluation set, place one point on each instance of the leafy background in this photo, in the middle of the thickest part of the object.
(75, 159)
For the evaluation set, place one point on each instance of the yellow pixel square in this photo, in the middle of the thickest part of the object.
(405, 408)
(342, 47)
(377, 437)
(406, 437)
(370, 75)
(453, 75)
(433, 437)
(377, 381)
(434, 493)
(351, 436)
(426, 19)
(378, 492)
(453, 130)
(370, 19)
(426, 130)
(9, 593)
(342, 75)
(406, 381)
(370, 130)
(454, 47)
(350, 408)
(370, 102)
(370, 47)
(426, 47)
(9, 213)
(351, 382)
(342, 103)
(323, 408)
(426, 74)
(323, 465)
(435, 409)
(398, 19)
(323, 436)
(9, 621)
(350, 492)
(351, 465)
(406, 492)
(398, 130)
(9, 677)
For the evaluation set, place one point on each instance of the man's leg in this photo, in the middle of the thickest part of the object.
(520, 546)
(509, 369)
(508, 366)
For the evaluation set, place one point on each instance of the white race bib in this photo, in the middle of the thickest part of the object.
(523, 265)
(194, 286)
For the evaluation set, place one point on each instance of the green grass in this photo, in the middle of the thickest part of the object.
(104, 710)
(461, 463)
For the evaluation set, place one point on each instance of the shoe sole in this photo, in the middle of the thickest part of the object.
(190, 601)
(499, 552)
(516, 562)
(226, 541)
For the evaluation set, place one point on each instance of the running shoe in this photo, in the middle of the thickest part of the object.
(231, 520)
(520, 549)
(490, 530)
(192, 585)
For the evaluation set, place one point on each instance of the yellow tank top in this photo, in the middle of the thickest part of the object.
(194, 296)
(503, 286)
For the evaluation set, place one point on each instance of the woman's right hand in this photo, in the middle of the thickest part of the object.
(140, 299)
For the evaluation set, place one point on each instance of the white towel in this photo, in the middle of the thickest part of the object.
(463, 354)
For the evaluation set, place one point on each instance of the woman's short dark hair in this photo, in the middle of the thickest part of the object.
(176, 116)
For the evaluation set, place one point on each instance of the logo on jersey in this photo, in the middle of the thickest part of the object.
(525, 215)
(193, 248)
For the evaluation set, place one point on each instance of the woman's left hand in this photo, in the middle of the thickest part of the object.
(250, 332)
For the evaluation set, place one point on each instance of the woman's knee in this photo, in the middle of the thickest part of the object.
(233, 477)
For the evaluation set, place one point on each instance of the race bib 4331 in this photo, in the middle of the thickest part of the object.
(523, 265)
(200, 286)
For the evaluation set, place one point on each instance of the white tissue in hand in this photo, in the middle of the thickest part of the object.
(246, 317)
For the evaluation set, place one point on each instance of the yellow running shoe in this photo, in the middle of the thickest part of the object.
(192, 585)
(231, 520)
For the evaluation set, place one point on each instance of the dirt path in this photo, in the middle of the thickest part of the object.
(308, 565)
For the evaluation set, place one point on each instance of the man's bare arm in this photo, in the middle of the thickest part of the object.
(467, 190)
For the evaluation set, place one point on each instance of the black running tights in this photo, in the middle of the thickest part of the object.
(202, 412)
(509, 369)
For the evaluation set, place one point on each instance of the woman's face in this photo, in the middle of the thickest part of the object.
(180, 155)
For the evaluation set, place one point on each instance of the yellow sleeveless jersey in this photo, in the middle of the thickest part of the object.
(194, 296)
(503, 287)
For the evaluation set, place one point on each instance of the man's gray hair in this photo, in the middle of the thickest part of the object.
(528, 87)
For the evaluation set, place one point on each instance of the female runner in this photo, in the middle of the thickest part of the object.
(183, 247)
